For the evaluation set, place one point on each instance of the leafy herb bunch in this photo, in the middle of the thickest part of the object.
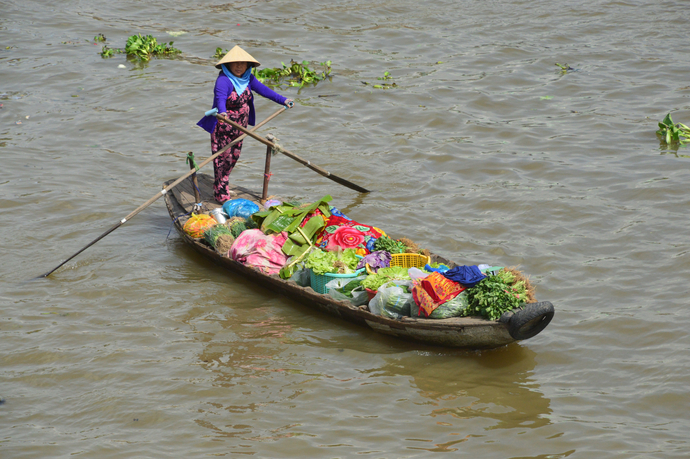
(497, 294)
(390, 245)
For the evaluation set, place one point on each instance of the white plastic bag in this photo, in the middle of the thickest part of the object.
(416, 273)
(359, 295)
(392, 300)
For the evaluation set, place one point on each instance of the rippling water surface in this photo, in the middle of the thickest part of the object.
(484, 152)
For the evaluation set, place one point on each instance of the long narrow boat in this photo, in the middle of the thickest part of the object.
(458, 332)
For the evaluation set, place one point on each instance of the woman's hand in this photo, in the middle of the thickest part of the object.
(289, 103)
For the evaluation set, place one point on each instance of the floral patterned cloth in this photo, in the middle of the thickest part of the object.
(237, 111)
(434, 290)
(258, 250)
(344, 233)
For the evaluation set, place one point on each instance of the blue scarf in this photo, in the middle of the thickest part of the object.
(239, 83)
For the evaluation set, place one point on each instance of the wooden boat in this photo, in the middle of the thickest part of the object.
(458, 332)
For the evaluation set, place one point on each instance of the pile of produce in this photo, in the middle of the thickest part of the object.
(316, 239)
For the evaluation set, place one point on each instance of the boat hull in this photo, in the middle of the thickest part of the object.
(456, 332)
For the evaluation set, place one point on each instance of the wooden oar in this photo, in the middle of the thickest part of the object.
(311, 166)
(163, 191)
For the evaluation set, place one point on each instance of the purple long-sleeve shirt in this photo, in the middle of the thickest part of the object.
(223, 89)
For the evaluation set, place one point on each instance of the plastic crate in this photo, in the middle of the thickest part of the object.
(406, 260)
(319, 281)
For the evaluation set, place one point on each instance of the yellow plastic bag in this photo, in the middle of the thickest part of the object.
(197, 224)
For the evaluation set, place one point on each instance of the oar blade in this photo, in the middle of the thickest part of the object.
(348, 184)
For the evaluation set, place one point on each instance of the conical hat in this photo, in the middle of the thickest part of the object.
(237, 54)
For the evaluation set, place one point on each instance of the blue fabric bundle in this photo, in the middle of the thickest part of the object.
(468, 276)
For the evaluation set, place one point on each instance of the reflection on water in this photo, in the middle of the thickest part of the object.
(255, 375)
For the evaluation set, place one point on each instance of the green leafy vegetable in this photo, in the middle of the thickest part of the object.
(389, 245)
(495, 295)
(322, 262)
(350, 287)
(385, 275)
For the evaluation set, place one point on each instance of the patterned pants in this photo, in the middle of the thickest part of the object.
(238, 111)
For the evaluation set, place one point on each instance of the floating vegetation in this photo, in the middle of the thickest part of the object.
(564, 67)
(220, 53)
(99, 38)
(107, 53)
(673, 134)
(386, 76)
(296, 74)
(141, 48)
(144, 47)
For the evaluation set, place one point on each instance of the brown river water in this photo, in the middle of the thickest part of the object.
(484, 152)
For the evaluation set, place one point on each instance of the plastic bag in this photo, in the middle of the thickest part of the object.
(359, 295)
(416, 273)
(392, 300)
(301, 276)
(198, 224)
(452, 308)
(240, 208)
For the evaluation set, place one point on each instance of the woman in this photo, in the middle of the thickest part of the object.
(234, 98)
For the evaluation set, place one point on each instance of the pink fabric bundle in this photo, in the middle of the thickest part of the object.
(258, 250)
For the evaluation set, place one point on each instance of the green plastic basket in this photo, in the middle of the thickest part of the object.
(319, 281)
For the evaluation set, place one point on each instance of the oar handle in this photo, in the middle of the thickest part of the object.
(289, 154)
(268, 143)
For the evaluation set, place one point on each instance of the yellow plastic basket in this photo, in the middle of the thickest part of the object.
(406, 260)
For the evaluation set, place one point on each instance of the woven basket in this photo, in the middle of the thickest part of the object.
(406, 260)
(319, 281)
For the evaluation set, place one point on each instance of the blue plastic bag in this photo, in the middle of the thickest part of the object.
(240, 208)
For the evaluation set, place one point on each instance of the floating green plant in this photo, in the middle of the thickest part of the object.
(99, 38)
(386, 76)
(144, 47)
(673, 134)
(220, 53)
(565, 68)
(141, 47)
(107, 52)
(296, 74)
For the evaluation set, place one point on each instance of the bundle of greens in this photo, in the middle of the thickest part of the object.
(321, 262)
(385, 275)
(347, 290)
(389, 245)
(496, 294)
